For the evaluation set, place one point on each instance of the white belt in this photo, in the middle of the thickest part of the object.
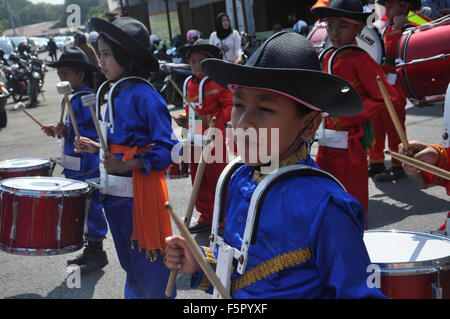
(119, 186)
(71, 162)
(391, 78)
(332, 138)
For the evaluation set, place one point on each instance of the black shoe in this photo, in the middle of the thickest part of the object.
(392, 174)
(197, 228)
(376, 168)
(92, 258)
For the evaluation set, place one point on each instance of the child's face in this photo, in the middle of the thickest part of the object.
(394, 8)
(341, 32)
(73, 76)
(109, 66)
(256, 109)
(194, 61)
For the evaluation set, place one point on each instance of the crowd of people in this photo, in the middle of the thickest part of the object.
(282, 85)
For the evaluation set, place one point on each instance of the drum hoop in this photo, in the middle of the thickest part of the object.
(39, 251)
(27, 168)
(413, 267)
(42, 193)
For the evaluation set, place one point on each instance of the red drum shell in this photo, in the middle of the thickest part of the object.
(21, 167)
(426, 78)
(37, 220)
(414, 260)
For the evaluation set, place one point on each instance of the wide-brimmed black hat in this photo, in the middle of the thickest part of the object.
(74, 57)
(351, 9)
(415, 4)
(287, 63)
(201, 45)
(132, 35)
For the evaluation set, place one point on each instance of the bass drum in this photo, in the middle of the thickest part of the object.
(369, 40)
(423, 60)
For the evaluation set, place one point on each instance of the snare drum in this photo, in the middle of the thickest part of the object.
(369, 40)
(178, 170)
(42, 215)
(21, 167)
(412, 265)
(423, 60)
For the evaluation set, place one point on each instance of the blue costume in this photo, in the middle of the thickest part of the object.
(141, 118)
(97, 227)
(302, 253)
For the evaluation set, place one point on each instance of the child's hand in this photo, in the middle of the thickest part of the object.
(86, 145)
(399, 21)
(422, 152)
(179, 119)
(114, 165)
(179, 257)
(50, 130)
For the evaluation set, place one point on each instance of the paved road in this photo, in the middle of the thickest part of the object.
(399, 205)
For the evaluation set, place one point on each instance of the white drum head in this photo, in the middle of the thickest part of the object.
(394, 247)
(23, 163)
(44, 186)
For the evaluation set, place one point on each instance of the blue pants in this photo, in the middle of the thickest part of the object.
(96, 221)
(146, 278)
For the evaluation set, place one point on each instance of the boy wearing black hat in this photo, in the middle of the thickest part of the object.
(73, 66)
(216, 102)
(309, 237)
(396, 12)
(347, 159)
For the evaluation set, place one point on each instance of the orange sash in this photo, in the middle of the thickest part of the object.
(151, 222)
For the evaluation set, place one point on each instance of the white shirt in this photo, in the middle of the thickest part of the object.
(230, 46)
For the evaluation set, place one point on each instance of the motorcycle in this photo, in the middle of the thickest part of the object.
(23, 79)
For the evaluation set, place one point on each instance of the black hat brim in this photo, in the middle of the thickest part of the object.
(74, 64)
(327, 92)
(326, 12)
(212, 50)
(142, 54)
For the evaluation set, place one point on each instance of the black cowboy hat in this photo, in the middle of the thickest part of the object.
(201, 45)
(74, 57)
(132, 35)
(415, 4)
(351, 9)
(288, 63)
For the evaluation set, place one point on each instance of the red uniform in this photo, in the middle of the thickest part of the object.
(217, 102)
(383, 124)
(350, 165)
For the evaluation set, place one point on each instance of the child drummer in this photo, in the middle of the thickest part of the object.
(309, 229)
(73, 66)
(215, 102)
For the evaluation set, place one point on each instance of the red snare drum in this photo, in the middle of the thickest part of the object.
(21, 167)
(412, 265)
(178, 170)
(369, 40)
(423, 60)
(42, 215)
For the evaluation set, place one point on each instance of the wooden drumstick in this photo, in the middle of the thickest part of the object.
(184, 97)
(398, 126)
(21, 107)
(89, 100)
(422, 165)
(192, 199)
(65, 89)
(198, 255)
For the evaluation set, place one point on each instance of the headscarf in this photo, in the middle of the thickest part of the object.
(221, 32)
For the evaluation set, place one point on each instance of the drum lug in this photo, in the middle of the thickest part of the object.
(58, 226)
(436, 289)
(12, 235)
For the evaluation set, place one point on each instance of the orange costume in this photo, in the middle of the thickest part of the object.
(349, 164)
(383, 124)
(216, 102)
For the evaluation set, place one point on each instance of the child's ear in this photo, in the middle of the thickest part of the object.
(312, 121)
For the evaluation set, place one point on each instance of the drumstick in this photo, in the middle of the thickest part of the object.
(422, 165)
(198, 255)
(21, 107)
(89, 100)
(65, 89)
(192, 199)
(397, 125)
(184, 97)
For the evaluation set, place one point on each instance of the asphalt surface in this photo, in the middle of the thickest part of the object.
(400, 205)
